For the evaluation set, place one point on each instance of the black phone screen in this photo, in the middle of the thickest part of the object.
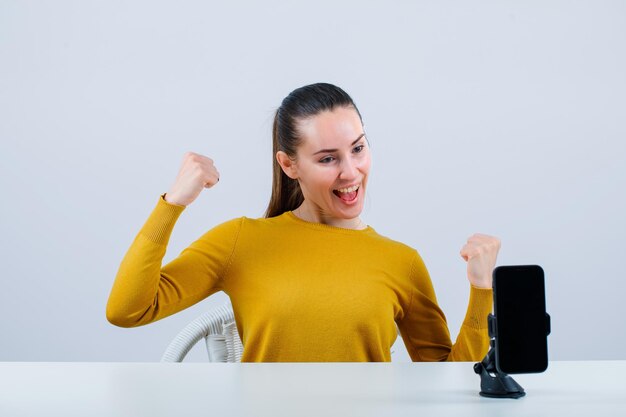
(521, 321)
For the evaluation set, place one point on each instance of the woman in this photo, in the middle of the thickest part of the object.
(310, 281)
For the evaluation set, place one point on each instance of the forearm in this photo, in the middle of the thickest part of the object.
(134, 296)
(472, 343)
(427, 336)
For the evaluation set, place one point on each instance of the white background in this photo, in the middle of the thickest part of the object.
(500, 117)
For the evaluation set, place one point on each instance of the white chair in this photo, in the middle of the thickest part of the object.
(219, 330)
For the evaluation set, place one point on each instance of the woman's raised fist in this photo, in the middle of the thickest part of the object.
(196, 173)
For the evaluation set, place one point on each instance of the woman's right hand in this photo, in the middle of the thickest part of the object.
(196, 173)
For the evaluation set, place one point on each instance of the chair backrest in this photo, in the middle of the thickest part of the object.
(219, 330)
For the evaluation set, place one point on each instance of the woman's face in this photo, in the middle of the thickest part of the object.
(333, 162)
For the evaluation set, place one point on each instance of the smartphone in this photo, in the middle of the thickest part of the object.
(521, 325)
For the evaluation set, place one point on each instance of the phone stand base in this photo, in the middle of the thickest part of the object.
(495, 384)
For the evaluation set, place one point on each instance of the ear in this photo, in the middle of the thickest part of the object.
(287, 164)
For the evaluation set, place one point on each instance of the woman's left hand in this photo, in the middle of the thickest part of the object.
(480, 253)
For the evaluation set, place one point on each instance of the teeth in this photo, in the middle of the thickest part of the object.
(348, 190)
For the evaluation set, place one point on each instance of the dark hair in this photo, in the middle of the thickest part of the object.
(302, 103)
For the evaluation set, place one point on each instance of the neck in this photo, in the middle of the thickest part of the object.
(306, 213)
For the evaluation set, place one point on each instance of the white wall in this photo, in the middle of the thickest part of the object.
(505, 118)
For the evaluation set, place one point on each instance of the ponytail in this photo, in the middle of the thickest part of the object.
(286, 192)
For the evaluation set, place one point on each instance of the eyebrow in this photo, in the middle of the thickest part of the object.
(335, 150)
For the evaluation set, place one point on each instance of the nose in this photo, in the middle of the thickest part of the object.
(349, 169)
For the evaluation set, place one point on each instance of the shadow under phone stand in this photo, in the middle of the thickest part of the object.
(493, 383)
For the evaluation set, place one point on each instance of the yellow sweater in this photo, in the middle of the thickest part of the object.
(301, 291)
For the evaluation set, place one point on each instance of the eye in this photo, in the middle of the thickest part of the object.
(327, 160)
(358, 148)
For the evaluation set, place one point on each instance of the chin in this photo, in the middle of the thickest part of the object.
(348, 213)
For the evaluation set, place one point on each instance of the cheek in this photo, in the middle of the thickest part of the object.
(319, 179)
(365, 164)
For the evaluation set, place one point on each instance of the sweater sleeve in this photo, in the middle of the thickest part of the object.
(144, 291)
(424, 327)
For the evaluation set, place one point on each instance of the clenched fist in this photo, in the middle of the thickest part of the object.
(480, 253)
(196, 173)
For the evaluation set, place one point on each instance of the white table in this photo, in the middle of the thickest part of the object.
(595, 388)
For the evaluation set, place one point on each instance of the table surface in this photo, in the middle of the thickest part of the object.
(588, 388)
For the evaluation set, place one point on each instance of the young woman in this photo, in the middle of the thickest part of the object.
(309, 281)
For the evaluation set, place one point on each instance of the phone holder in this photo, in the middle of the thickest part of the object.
(493, 383)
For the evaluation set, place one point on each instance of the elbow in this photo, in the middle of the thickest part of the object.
(117, 317)
(117, 320)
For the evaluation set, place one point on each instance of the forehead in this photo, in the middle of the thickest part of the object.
(331, 129)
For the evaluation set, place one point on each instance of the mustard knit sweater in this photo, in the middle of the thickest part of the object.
(301, 291)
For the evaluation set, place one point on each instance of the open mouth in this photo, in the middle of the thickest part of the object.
(348, 194)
